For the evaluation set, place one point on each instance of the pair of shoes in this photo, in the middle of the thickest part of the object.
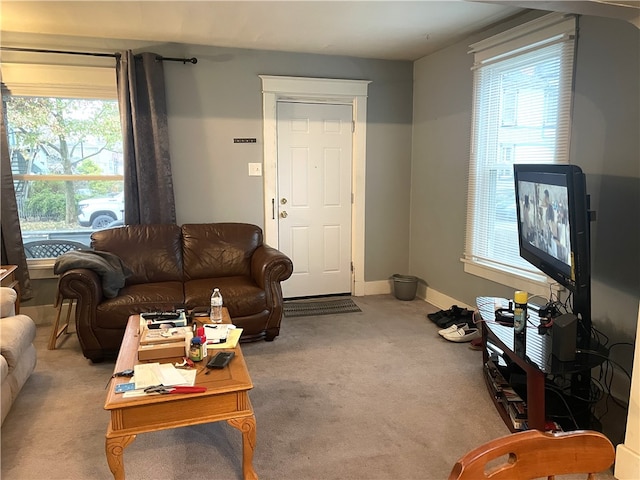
(454, 311)
(434, 317)
(476, 344)
(453, 328)
(455, 315)
(462, 335)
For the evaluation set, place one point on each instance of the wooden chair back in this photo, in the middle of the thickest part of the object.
(534, 454)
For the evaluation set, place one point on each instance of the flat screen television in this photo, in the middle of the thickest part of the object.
(553, 229)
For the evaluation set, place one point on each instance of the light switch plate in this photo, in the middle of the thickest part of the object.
(255, 169)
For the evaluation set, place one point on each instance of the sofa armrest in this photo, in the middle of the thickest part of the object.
(8, 298)
(269, 265)
(84, 286)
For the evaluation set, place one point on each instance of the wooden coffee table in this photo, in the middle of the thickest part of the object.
(226, 398)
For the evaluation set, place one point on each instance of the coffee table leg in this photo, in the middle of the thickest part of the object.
(115, 448)
(247, 425)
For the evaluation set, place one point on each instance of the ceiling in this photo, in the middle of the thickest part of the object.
(395, 30)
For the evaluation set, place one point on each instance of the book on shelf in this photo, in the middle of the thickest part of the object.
(518, 422)
(510, 394)
(517, 410)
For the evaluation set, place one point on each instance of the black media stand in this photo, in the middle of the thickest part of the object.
(518, 376)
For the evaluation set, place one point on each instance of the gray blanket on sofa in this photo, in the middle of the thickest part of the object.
(108, 266)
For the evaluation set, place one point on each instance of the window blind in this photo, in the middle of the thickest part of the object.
(521, 114)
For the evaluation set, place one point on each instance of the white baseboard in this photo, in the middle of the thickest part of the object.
(379, 287)
(444, 302)
(627, 463)
(429, 295)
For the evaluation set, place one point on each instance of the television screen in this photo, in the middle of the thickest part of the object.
(553, 221)
(553, 229)
(544, 218)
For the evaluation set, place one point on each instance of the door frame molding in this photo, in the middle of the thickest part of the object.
(317, 90)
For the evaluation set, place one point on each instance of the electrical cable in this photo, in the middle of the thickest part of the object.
(551, 389)
(606, 357)
(619, 344)
(608, 372)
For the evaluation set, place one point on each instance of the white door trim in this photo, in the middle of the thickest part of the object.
(319, 90)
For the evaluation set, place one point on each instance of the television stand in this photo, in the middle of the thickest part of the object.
(517, 377)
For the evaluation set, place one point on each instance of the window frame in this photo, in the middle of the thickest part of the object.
(492, 52)
(36, 75)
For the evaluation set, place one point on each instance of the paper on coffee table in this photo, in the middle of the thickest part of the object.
(152, 374)
(217, 332)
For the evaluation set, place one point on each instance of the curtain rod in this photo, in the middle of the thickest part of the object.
(193, 60)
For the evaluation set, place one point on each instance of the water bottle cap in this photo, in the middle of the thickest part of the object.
(520, 297)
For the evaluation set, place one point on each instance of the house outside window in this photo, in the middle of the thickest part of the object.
(65, 147)
(521, 114)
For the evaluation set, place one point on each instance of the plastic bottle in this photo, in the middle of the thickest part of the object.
(520, 299)
(215, 315)
(195, 350)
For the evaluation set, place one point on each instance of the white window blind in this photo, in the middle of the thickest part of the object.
(521, 114)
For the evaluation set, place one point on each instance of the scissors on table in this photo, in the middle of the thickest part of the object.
(166, 390)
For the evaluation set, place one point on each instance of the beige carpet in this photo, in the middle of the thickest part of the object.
(370, 395)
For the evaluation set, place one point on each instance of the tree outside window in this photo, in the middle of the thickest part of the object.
(65, 153)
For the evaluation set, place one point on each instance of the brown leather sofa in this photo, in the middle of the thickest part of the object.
(174, 267)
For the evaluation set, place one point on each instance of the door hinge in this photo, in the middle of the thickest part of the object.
(353, 126)
(352, 199)
(351, 267)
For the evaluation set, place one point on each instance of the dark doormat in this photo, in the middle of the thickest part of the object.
(307, 308)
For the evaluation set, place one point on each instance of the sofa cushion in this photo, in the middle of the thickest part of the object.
(16, 336)
(219, 249)
(161, 244)
(134, 299)
(239, 294)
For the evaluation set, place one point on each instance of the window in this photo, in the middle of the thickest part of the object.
(65, 146)
(521, 114)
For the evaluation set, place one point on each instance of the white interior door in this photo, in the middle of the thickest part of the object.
(314, 196)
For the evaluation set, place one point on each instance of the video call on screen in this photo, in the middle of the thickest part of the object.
(544, 218)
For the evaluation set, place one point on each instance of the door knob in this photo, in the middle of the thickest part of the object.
(283, 201)
(284, 214)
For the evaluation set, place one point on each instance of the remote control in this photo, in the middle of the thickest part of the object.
(220, 360)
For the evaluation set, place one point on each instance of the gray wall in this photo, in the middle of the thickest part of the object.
(604, 142)
(220, 98)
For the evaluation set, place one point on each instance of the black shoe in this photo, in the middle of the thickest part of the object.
(434, 317)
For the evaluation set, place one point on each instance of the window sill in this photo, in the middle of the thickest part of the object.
(41, 268)
(533, 284)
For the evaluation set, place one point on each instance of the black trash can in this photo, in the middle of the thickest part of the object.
(404, 286)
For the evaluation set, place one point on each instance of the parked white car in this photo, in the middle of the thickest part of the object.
(100, 212)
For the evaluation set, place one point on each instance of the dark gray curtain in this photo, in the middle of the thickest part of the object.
(12, 247)
(148, 184)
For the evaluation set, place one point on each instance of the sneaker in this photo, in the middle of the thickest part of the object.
(462, 335)
(453, 328)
